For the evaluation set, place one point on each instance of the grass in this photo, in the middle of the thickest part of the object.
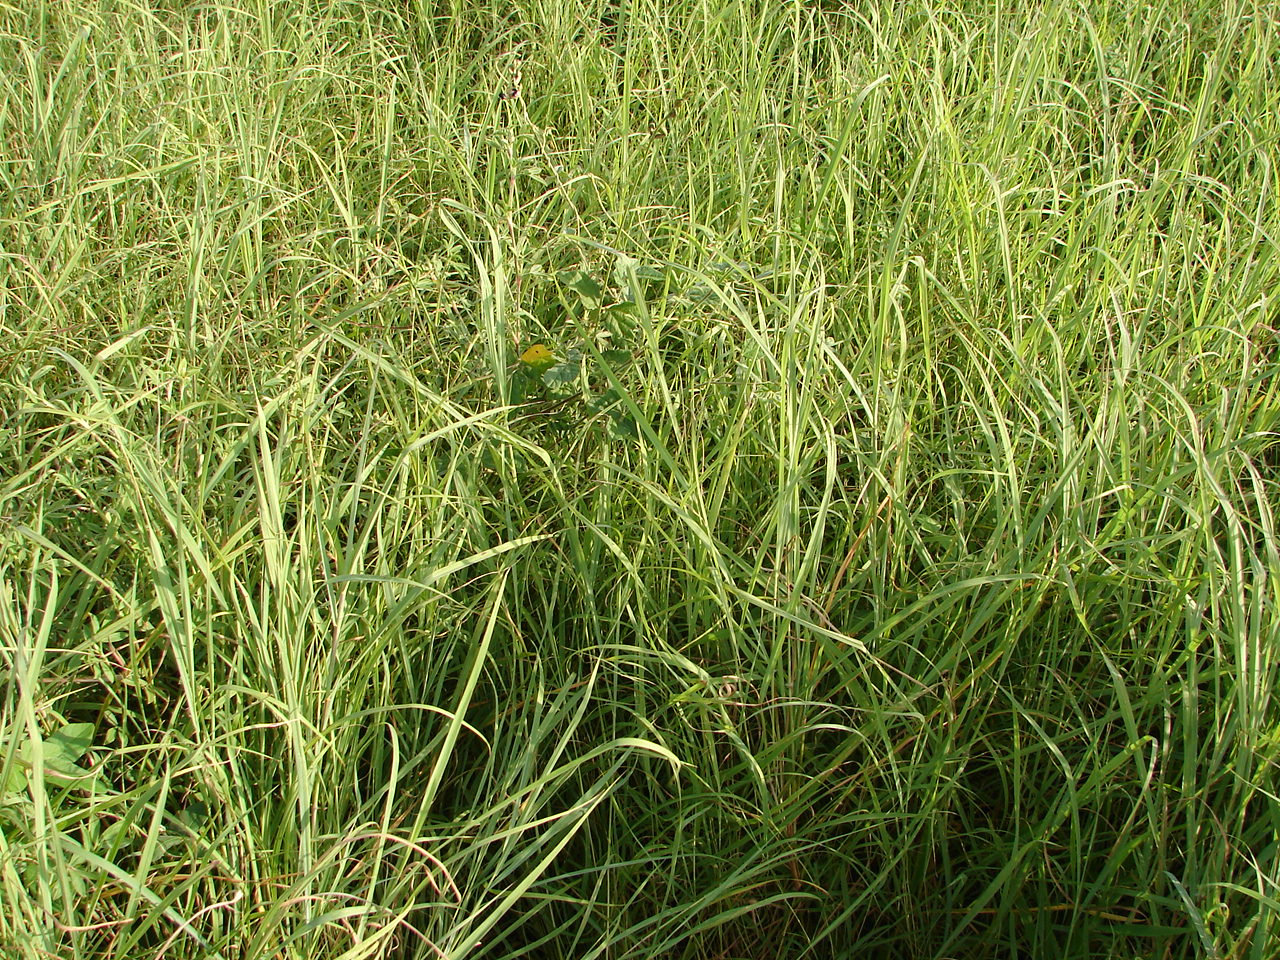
(878, 558)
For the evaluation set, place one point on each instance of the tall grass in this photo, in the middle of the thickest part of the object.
(888, 566)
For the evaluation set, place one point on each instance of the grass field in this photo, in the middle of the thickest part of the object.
(702, 479)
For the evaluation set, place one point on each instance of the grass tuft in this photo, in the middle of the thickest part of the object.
(734, 479)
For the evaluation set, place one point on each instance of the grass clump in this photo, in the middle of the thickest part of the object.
(725, 479)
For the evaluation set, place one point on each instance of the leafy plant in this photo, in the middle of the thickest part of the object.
(61, 751)
(575, 385)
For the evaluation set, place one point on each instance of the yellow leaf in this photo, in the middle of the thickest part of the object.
(539, 355)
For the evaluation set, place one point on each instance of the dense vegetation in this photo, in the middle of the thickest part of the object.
(639, 479)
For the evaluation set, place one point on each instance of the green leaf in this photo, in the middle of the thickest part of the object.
(64, 747)
(603, 402)
(621, 320)
(625, 267)
(518, 387)
(623, 309)
(195, 815)
(623, 425)
(616, 358)
(584, 286)
(564, 373)
(16, 782)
